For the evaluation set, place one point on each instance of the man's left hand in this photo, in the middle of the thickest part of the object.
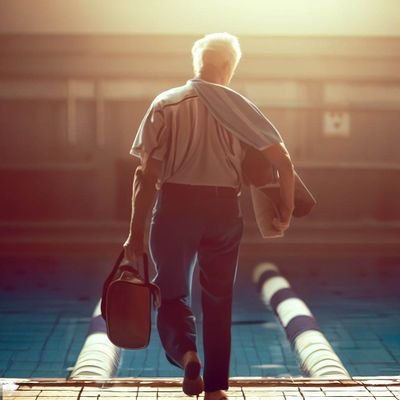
(134, 248)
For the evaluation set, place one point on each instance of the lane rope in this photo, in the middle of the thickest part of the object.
(99, 358)
(315, 354)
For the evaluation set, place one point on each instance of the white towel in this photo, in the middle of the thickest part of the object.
(237, 114)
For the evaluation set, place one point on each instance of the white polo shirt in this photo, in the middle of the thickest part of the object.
(194, 147)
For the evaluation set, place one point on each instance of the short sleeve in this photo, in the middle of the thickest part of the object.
(151, 136)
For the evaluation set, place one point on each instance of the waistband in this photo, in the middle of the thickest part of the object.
(180, 189)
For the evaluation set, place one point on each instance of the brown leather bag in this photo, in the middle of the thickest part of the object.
(126, 304)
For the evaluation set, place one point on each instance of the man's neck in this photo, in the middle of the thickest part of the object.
(213, 78)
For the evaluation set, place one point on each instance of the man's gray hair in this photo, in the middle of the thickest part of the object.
(216, 49)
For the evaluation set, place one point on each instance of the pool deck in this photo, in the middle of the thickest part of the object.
(379, 388)
(346, 238)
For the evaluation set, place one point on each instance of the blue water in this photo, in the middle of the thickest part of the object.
(46, 304)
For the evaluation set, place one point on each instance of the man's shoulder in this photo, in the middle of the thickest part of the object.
(174, 96)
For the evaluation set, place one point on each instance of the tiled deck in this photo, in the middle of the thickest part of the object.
(379, 388)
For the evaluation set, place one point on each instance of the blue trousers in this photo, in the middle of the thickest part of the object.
(207, 229)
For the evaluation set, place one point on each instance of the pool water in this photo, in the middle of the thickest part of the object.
(46, 304)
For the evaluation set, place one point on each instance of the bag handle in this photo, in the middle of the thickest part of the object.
(145, 265)
(146, 268)
(155, 290)
(118, 262)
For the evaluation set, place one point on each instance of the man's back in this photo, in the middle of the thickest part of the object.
(194, 147)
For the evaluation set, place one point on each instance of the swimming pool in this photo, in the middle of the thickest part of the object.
(46, 303)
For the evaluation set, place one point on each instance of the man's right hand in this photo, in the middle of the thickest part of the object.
(283, 222)
(280, 159)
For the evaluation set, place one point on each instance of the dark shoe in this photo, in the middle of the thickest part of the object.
(192, 381)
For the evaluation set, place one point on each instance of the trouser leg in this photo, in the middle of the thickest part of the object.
(218, 263)
(173, 245)
(177, 329)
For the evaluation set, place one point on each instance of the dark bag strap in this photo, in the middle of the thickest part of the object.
(146, 268)
(107, 283)
(113, 272)
(117, 262)
(129, 267)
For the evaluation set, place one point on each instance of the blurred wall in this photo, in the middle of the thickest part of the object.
(70, 106)
(183, 17)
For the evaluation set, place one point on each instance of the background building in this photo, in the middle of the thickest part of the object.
(74, 87)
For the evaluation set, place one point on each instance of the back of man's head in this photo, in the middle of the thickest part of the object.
(216, 50)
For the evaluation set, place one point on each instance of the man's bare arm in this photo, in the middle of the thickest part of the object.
(280, 159)
(143, 196)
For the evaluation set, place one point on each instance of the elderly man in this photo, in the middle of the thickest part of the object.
(191, 164)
